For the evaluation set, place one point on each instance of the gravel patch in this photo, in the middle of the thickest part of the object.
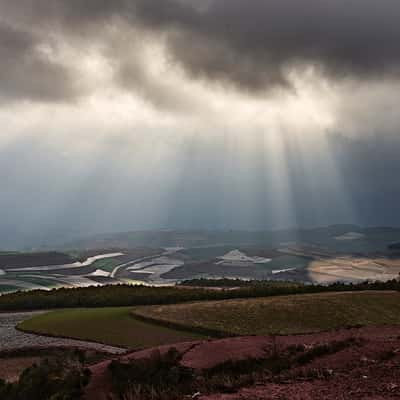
(11, 338)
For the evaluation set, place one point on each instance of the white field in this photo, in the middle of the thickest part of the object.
(156, 267)
(86, 263)
(100, 272)
(350, 236)
(236, 256)
(279, 271)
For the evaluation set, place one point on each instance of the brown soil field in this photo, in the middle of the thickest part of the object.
(351, 268)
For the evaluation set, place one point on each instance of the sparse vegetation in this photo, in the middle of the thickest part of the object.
(159, 377)
(52, 379)
(162, 377)
(325, 349)
(280, 315)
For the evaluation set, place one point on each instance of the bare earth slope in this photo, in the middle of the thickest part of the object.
(368, 368)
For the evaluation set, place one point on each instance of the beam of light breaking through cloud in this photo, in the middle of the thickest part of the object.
(134, 115)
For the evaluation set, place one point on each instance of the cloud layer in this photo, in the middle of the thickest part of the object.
(253, 114)
(28, 72)
(253, 45)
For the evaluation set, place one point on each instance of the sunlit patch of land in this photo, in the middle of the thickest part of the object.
(353, 269)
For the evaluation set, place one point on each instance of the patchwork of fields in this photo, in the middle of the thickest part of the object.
(106, 268)
(154, 325)
(322, 255)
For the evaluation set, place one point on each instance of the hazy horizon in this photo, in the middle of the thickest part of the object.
(171, 114)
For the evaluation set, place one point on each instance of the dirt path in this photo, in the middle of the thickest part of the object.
(10, 338)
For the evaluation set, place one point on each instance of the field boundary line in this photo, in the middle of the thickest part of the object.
(213, 333)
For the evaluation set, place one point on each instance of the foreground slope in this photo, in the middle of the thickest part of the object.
(357, 363)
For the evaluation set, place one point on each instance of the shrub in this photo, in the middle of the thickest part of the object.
(56, 379)
(325, 349)
(158, 377)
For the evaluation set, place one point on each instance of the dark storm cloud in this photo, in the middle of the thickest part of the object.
(27, 72)
(251, 44)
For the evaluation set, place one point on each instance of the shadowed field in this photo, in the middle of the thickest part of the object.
(112, 326)
(149, 326)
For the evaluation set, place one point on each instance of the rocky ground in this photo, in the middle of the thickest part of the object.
(368, 367)
(20, 350)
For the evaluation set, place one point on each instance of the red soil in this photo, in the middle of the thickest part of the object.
(360, 371)
(100, 382)
(11, 368)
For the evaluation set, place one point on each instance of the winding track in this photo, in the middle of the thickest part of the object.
(138, 260)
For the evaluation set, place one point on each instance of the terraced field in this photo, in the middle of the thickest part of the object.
(8, 289)
(281, 315)
(149, 326)
(29, 271)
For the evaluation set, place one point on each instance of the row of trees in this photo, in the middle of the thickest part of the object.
(129, 295)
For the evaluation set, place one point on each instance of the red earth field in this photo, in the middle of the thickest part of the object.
(369, 368)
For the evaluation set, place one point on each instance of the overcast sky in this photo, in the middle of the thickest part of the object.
(213, 114)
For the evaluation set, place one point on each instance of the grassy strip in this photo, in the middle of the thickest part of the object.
(214, 333)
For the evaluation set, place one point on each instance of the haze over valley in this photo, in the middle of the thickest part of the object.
(341, 253)
(199, 199)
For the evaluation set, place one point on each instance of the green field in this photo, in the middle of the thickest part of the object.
(113, 326)
(106, 264)
(39, 280)
(8, 288)
(282, 315)
(260, 316)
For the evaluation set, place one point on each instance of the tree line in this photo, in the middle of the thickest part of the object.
(130, 295)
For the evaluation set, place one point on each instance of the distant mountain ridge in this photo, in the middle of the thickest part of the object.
(370, 238)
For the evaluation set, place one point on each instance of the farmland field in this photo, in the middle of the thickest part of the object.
(282, 315)
(112, 326)
(7, 288)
